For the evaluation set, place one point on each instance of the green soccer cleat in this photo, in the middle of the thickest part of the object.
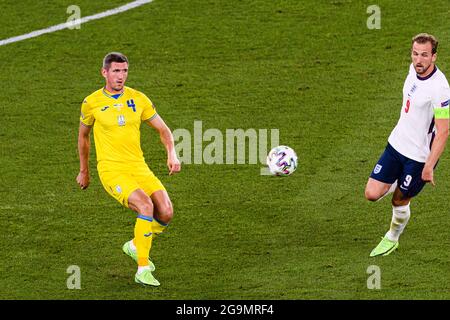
(146, 278)
(384, 248)
(132, 253)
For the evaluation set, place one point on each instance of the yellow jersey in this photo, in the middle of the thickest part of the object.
(116, 121)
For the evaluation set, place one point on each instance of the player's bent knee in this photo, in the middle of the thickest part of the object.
(165, 213)
(144, 207)
(139, 202)
(371, 195)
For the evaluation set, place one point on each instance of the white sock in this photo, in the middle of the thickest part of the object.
(141, 269)
(132, 246)
(391, 189)
(400, 217)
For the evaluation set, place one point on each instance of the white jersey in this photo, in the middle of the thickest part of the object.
(422, 98)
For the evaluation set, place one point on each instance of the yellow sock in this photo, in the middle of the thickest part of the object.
(143, 238)
(158, 227)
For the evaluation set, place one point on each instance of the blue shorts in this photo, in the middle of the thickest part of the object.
(394, 166)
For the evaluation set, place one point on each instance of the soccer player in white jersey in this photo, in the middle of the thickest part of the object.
(417, 141)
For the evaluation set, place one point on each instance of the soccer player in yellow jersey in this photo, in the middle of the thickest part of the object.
(115, 112)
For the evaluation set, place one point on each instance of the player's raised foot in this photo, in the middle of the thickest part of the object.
(133, 254)
(384, 248)
(146, 278)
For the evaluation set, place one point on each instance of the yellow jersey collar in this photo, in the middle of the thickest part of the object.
(111, 95)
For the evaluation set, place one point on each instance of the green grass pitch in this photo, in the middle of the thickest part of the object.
(311, 69)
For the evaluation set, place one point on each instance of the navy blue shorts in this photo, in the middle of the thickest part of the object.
(394, 166)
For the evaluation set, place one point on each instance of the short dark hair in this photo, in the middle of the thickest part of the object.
(424, 38)
(113, 57)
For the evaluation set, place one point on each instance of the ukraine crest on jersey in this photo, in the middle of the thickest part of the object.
(116, 120)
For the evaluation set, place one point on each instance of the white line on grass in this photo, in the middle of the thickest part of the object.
(65, 25)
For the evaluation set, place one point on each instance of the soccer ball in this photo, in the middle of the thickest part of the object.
(282, 161)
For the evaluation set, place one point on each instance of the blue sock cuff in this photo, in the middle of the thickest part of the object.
(140, 216)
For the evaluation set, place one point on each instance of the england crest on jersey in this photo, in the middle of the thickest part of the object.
(377, 169)
(121, 120)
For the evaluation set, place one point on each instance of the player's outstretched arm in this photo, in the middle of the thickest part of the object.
(83, 151)
(442, 128)
(166, 136)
